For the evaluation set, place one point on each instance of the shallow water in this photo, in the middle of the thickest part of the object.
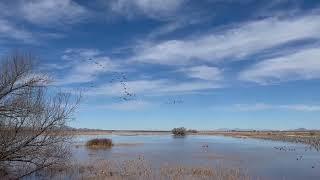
(259, 157)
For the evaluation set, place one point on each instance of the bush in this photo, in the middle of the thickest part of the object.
(99, 143)
(179, 131)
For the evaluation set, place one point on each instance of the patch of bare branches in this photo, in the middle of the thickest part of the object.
(32, 118)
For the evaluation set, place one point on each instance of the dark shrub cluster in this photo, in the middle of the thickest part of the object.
(179, 131)
(99, 143)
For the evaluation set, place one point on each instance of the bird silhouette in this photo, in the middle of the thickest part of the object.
(174, 101)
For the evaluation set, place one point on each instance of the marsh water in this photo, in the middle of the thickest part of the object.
(260, 158)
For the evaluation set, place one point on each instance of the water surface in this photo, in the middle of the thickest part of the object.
(261, 158)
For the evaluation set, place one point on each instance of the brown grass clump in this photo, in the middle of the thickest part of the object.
(99, 143)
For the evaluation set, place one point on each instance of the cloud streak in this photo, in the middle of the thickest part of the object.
(11, 31)
(84, 65)
(154, 87)
(155, 9)
(203, 72)
(236, 43)
(303, 65)
(51, 12)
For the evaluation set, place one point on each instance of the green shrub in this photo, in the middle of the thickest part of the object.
(99, 143)
(179, 131)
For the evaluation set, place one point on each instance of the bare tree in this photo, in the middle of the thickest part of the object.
(32, 118)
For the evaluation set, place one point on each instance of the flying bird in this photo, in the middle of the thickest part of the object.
(174, 101)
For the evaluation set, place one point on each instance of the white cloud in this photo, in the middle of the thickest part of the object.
(150, 8)
(51, 12)
(81, 54)
(85, 65)
(44, 12)
(10, 30)
(302, 65)
(263, 106)
(235, 43)
(189, 87)
(179, 22)
(154, 87)
(88, 72)
(203, 72)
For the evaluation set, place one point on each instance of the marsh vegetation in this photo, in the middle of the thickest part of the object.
(311, 138)
(99, 143)
(142, 170)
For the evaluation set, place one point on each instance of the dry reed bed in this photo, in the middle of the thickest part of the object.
(312, 141)
(99, 143)
(141, 169)
(308, 138)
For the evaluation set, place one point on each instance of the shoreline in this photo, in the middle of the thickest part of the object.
(311, 138)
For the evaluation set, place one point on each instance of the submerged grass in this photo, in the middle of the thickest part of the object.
(99, 143)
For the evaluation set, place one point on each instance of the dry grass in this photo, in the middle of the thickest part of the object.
(141, 169)
(99, 143)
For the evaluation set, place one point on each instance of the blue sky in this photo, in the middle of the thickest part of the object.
(205, 64)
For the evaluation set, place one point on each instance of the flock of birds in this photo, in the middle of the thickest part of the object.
(288, 149)
(285, 148)
(174, 101)
(205, 148)
(121, 79)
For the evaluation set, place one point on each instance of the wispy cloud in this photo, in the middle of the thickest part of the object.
(302, 65)
(156, 9)
(263, 107)
(178, 22)
(23, 20)
(80, 54)
(203, 72)
(235, 43)
(50, 12)
(9, 30)
(84, 65)
(154, 87)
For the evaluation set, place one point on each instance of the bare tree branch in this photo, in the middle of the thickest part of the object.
(32, 120)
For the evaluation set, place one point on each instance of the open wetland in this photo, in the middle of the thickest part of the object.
(190, 157)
